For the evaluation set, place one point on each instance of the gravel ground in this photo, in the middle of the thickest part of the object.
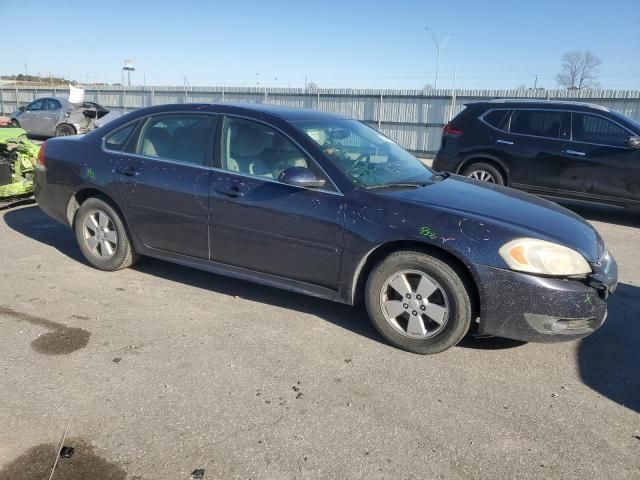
(163, 370)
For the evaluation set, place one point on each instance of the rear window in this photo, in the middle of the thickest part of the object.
(184, 137)
(497, 118)
(539, 123)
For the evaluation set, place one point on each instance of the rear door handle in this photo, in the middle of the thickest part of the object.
(505, 142)
(575, 152)
(128, 171)
(232, 191)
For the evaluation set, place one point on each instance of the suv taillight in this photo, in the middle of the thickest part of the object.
(451, 130)
(41, 155)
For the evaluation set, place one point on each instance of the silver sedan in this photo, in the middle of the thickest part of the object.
(57, 117)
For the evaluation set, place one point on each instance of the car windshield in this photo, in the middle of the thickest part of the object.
(364, 154)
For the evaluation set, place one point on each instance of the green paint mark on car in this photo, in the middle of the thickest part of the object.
(427, 232)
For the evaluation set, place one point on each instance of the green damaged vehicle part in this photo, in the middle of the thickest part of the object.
(18, 157)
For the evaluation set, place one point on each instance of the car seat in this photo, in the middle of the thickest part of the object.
(187, 144)
(156, 142)
(246, 150)
(282, 155)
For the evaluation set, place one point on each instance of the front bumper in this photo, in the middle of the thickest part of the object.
(542, 309)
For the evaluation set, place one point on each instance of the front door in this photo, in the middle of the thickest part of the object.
(534, 144)
(598, 164)
(163, 182)
(29, 118)
(261, 224)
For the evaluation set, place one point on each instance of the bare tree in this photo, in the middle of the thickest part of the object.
(579, 70)
(312, 85)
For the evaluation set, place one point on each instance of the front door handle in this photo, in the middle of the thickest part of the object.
(575, 152)
(128, 171)
(505, 142)
(232, 191)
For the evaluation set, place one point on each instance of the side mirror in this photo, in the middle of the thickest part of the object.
(300, 177)
(633, 142)
(22, 108)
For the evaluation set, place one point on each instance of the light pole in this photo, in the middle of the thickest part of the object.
(439, 46)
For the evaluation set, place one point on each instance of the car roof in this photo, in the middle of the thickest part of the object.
(289, 114)
(537, 103)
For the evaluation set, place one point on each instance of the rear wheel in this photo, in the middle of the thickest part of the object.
(64, 130)
(102, 236)
(484, 172)
(14, 123)
(418, 302)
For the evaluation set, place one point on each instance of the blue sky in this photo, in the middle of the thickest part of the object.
(496, 44)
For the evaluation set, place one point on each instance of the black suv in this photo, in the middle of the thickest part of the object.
(558, 149)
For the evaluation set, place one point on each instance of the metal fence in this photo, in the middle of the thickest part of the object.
(413, 118)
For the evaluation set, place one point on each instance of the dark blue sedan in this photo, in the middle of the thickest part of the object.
(319, 204)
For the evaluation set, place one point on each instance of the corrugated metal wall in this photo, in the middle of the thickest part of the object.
(413, 118)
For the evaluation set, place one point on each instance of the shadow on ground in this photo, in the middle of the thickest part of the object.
(609, 360)
(602, 213)
(30, 221)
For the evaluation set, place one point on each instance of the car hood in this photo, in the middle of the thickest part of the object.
(530, 215)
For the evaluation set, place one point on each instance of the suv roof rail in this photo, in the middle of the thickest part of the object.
(540, 101)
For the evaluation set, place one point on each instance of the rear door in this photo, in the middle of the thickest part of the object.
(29, 118)
(533, 148)
(163, 182)
(597, 164)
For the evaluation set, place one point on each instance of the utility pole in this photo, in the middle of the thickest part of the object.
(439, 47)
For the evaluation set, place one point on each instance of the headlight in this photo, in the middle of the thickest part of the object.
(546, 258)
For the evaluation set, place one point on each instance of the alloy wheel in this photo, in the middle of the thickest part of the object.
(414, 304)
(482, 175)
(100, 234)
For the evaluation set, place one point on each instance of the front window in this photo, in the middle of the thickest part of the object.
(365, 155)
(598, 130)
(255, 149)
(37, 105)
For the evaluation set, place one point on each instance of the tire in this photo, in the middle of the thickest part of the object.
(484, 172)
(452, 296)
(64, 130)
(108, 251)
(14, 123)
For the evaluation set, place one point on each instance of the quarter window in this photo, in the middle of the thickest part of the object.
(255, 149)
(594, 129)
(539, 123)
(117, 141)
(497, 118)
(183, 137)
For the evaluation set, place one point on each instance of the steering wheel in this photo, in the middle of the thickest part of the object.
(358, 160)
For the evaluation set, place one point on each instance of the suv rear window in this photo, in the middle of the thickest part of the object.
(497, 118)
(539, 123)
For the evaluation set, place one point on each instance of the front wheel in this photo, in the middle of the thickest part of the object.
(418, 302)
(102, 236)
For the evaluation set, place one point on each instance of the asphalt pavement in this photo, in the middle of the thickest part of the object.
(160, 371)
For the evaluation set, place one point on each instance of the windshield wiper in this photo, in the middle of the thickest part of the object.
(397, 185)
